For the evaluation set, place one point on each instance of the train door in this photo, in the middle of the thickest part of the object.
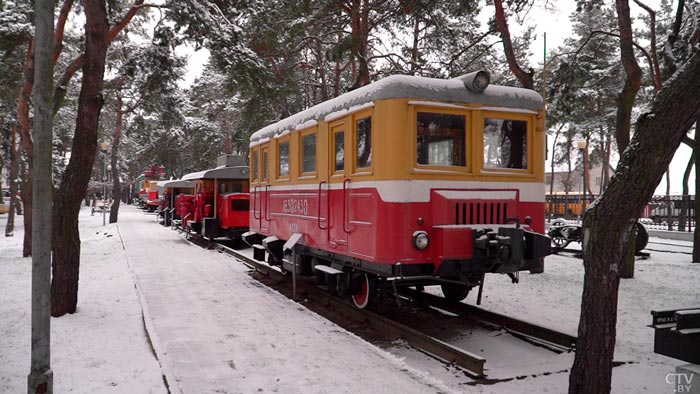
(338, 184)
(264, 201)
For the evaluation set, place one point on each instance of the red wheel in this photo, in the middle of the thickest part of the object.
(363, 298)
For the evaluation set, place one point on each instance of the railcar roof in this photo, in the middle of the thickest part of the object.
(175, 183)
(240, 172)
(405, 86)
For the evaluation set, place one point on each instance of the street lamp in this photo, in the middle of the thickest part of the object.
(104, 146)
(582, 145)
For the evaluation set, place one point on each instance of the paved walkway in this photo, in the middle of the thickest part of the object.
(216, 330)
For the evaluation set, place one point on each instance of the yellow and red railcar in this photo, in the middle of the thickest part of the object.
(408, 181)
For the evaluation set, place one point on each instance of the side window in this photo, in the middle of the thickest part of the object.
(505, 143)
(254, 165)
(308, 152)
(363, 144)
(265, 165)
(283, 159)
(339, 150)
(441, 139)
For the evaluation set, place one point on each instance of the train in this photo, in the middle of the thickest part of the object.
(406, 182)
(213, 202)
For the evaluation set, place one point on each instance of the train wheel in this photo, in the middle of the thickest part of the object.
(366, 294)
(454, 292)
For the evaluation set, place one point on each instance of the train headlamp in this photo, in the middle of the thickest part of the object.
(477, 81)
(420, 240)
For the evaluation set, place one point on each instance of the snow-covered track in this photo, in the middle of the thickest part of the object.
(471, 363)
(534, 333)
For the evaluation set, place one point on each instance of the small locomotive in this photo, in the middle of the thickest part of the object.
(220, 204)
(408, 181)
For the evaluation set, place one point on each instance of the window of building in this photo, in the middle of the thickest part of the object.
(339, 150)
(283, 158)
(505, 143)
(441, 139)
(308, 152)
(363, 144)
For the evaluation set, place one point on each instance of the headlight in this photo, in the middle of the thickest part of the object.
(420, 240)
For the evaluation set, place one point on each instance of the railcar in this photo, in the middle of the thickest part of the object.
(172, 190)
(220, 205)
(408, 181)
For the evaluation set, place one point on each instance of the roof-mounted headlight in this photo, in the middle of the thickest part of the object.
(477, 81)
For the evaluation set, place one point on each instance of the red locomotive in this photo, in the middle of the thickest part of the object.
(408, 181)
(220, 205)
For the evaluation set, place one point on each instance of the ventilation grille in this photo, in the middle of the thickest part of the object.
(480, 212)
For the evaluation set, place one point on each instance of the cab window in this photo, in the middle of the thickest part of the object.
(505, 143)
(254, 165)
(441, 139)
(363, 143)
(308, 152)
(283, 159)
(339, 150)
(265, 165)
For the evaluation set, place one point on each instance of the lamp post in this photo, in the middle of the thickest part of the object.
(582, 145)
(104, 146)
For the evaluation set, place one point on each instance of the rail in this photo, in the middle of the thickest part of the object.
(534, 333)
(471, 363)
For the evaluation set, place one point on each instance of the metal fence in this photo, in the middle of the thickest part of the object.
(673, 213)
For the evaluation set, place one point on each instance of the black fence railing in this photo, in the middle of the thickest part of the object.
(673, 213)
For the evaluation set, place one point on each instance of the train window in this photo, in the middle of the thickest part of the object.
(240, 205)
(339, 149)
(254, 165)
(505, 143)
(441, 139)
(266, 173)
(283, 158)
(363, 143)
(308, 152)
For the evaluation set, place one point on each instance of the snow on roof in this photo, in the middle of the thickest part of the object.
(406, 86)
(173, 183)
(239, 172)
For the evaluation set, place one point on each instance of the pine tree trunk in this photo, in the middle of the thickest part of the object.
(116, 186)
(608, 223)
(66, 238)
(27, 191)
(14, 173)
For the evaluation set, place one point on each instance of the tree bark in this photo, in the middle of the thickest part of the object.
(14, 173)
(683, 217)
(608, 222)
(25, 94)
(77, 63)
(525, 78)
(626, 98)
(116, 185)
(66, 238)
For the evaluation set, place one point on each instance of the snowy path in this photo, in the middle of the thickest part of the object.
(216, 330)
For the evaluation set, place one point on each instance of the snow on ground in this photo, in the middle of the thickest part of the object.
(217, 330)
(101, 348)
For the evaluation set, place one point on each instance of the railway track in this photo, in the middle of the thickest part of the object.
(472, 364)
